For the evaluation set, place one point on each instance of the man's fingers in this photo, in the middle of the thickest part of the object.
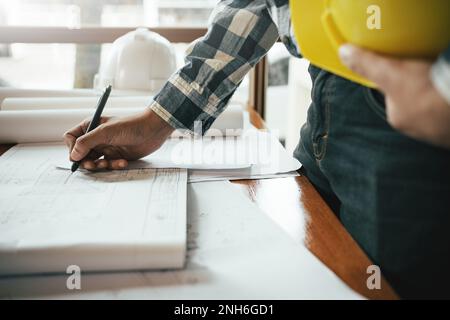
(94, 154)
(95, 165)
(88, 165)
(375, 67)
(118, 164)
(70, 137)
(102, 164)
(69, 140)
(87, 142)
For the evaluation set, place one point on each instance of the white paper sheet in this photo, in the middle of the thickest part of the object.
(268, 157)
(211, 175)
(255, 155)
(32, 126)
(222, 153)
(219, 153)
(122, 220)
(234, 252)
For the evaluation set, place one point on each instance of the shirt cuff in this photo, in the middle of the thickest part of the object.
(440, 76)
(167, 116)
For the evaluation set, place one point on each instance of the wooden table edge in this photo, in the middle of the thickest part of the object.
(326, 237)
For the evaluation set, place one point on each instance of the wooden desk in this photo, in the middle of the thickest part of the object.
(287, 201)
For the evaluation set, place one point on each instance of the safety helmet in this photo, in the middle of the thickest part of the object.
(141, 60)
(400, 28)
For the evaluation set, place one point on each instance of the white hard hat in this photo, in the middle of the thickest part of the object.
(141, 60)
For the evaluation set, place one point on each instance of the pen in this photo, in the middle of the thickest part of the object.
(95, 119)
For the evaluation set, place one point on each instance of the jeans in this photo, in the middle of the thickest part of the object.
(391, 192)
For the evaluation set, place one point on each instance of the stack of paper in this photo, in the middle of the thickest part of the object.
(120, 220)
(254, 155)
(268, 158)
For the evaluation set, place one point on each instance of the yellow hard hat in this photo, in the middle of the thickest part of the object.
(401, 28)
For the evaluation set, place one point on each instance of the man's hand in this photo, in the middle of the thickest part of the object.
(413, 105)
(118, 140)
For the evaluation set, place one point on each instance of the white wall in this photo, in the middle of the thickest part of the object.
(287, 106)
(299, 100)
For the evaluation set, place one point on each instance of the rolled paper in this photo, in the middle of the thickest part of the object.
(47, 125)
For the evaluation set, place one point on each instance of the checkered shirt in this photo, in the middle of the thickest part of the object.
(240, 33)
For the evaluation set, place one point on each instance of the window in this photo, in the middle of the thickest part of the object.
(106, 13)
(65, 66)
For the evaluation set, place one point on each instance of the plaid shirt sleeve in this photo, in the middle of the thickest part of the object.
(240, 34)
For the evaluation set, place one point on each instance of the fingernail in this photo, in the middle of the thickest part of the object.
(75, 155)
(89, 166)
(122, 164)
(346, 53)
(102, 165)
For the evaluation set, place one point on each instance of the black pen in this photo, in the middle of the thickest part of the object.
(96, 119)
